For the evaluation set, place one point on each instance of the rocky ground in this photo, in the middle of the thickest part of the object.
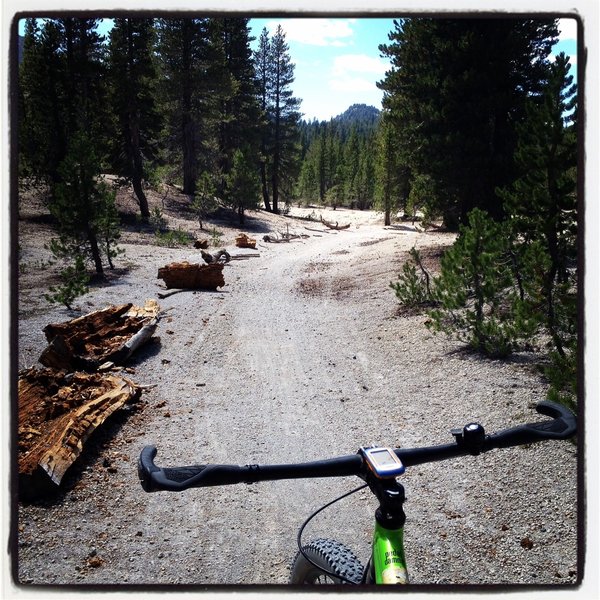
(302, 355)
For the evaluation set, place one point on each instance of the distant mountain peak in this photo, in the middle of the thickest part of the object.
(359, 112)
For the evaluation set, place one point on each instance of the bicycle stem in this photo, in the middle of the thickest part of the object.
(388, 564)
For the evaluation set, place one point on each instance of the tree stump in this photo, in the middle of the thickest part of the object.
(111, 334)
(57, 413)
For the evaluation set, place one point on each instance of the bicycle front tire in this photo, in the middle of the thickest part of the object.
(329, 556)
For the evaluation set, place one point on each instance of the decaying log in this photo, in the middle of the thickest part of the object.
(111, 334)
(201, 244)
(57, 413)
(277, 238)
(243, 241)
(334, 225)
(273, 239)
(191, 276)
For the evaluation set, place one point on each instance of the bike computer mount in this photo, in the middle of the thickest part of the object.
(382, 462)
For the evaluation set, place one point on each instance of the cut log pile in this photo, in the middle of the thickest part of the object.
(192, 276)
(243, 241)
(57, 413)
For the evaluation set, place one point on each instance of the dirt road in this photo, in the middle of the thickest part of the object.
(302, 356)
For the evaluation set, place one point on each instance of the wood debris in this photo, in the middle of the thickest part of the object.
(57, 413)
(284, 237)
(334, 225)
(108, 335)
(243, 241)
(221, 255)
(192, 276)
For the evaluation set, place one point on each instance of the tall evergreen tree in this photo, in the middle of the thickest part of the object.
(42, 134)
(132, 76)
(182, 50)
(542, 202)
(231, 73)
(61, 79)
(285, 116)
(262, 66)
(280, 139)
(387, 172)
(456, 89)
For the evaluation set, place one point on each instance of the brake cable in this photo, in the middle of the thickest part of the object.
(310, 518)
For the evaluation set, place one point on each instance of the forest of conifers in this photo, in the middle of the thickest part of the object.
(477, 131)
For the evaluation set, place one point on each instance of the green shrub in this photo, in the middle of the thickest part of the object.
(413, 288)
(74, 284)
(478, 300)
(172, 238)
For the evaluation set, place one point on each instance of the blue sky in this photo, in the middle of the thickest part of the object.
(338, 63)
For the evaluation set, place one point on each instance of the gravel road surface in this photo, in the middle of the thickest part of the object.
(302, 355)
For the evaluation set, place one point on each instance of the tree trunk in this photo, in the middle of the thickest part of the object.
(275, 182)
(189, 156)
(265, 188)
(93, 241)
(137, 171)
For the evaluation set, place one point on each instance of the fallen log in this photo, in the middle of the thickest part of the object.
(112, 334)
(243, 241)
(273, 239)
(221, 255)
(191, 276)
(334, 225)
(57, 413)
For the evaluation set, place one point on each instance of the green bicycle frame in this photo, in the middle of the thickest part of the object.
(389, 563)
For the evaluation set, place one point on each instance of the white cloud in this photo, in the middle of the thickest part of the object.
(358, 63)
(316, 32)
(352, 84)
(567, 29)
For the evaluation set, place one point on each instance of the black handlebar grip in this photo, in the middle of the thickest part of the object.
(562, 426)
(146, 467)
(154, 478)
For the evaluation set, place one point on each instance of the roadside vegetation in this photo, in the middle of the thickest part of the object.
(478, 134)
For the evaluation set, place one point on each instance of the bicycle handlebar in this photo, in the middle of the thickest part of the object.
(469, 440)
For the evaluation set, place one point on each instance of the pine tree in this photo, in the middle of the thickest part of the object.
(61, 80)
(231, 97)
(285, 117)
(456, 89)
(476, 290)
(262, 66)
(280, 136)
(42, 134)
(182, 49)
(387, 172)
(84, 208)
(132, 80)
(542, 204)
(243, 185)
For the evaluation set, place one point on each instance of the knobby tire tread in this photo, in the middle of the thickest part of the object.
(332, 556)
